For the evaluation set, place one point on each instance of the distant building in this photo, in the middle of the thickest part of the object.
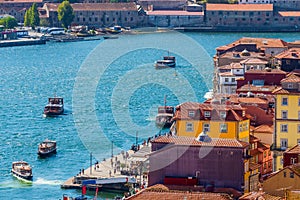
(217, 120)
(236, 15)
(264, 133)
(283, 180)
(261, 154)
(98, 14)
(152, 5)
(289, 60)
(17, 8)
(208, 162)
(291, 156)
(286, 123)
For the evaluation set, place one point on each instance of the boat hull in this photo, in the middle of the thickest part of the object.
(46, 154)
(21, 176)
(51, 113)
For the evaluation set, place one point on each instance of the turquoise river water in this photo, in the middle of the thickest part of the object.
(111, 92)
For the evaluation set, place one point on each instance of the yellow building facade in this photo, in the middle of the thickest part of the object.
(218, 121)
(287, 117)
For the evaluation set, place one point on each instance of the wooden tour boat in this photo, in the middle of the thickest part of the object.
(22, 170)
(164, 117)
(168, 61)
(47, 148)
(54, 107)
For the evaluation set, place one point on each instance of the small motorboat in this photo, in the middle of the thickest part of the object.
(46, 148)
(22, 171)
(54, 107)
(168, 61)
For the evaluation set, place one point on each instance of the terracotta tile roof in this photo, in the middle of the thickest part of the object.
(232, 54)
(293, 53)
(260, 116)
(190, 141)
(261, 43)
(291, 78)
(264, 128)
(294, 150)
(295, 168)
(254, 166)
(259, 195)
(174, 13)
(96, 6)
(21, 1)
(182, 111)
(232, 66)
(254, 61)
(227, 74)
(266, 71)
(257, 89)
(239, 7)
(159, 191)
(280, 90)
(289, 14)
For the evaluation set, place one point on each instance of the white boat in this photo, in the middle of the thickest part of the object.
(168, 61)
(22, 170)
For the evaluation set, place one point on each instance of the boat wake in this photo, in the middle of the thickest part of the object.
(41, 181)
(15, 184)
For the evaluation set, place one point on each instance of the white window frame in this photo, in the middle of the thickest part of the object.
(206, 113)
(284, 114)
(189, 127)
(283, 128)
(191, 113)
(206, 127)
(283, 143)
(223, 128)
(223, 114)
(282, 100)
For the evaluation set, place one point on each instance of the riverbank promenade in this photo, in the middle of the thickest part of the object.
(124, 165)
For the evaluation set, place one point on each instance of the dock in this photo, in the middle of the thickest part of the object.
(113, 173)
(21, 42)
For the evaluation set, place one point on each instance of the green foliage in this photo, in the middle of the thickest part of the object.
(31, 17)
(9, 22)
(44, 22)
(232, 1)
(65, 13)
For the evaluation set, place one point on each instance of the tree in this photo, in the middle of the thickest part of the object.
(44, 22)
(34, 18)
(65, 14)
(31, 17)
(9, 22)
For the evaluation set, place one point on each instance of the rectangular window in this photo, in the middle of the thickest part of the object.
(291, 174)
(298, 129)
(284, 114)
(284, 174)
(293, 161)
(299, 99)
(189, 127)
(206, 113)
(290, 85)
(223, 128)
(206, 127)
(284, 128)
(298, 114)
(226, 80)
(283, 143)
(191, 113)
(223, 114)
(233, 80)
(284, 101)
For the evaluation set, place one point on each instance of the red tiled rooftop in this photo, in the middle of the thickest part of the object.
(158, 192)
(21, 1)
(265, 71)
(254, 61)
(289, 14)
(261, 43)
(96, 6)
(190, 141)
(232, 66)
(293, 53)
(291, 78)
(264, 129)
(257, 89)
(174, 13)
(294, 150)
(239, 7)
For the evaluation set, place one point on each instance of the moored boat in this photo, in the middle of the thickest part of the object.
(22, 170)
(164, 117)
(168, 61)
(47, 148)
(54, 107)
